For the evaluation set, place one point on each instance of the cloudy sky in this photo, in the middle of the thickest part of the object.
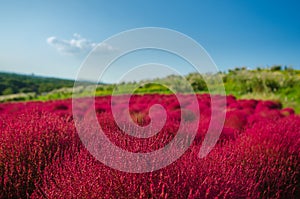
(52, 38)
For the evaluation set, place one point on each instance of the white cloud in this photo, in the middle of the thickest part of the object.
(77, 45)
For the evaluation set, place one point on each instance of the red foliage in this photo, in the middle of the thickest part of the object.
(257, 155)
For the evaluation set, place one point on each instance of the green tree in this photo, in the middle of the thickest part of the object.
(8, 91)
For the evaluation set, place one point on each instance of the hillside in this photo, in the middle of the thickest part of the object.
(19, 87)
(11, 83)
(274, 83)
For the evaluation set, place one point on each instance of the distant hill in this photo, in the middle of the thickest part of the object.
(11, 83)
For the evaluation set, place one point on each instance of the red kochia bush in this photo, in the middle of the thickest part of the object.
(268, 105)
(29, 143)
(236, 119)
(248, 103)
(287, 111)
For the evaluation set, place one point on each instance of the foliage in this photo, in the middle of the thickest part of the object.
(14, 83)
(257, 155)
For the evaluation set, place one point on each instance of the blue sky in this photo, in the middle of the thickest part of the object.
(51, 38)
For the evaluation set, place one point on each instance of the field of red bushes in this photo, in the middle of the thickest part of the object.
(257, 154)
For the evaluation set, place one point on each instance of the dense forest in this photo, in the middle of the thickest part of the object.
(11, 83)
